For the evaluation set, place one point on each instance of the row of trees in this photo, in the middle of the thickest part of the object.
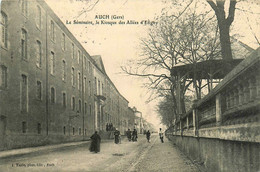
(185, 36)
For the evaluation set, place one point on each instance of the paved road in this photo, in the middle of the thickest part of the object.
(127, 156)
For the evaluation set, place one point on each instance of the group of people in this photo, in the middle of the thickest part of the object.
(131, 135)
(148, 135)
(110, 127)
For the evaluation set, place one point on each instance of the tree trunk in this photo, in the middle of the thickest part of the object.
(226, 51)
(182, 103)
(224, 24)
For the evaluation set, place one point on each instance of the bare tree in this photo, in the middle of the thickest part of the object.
(166, 110)
(186, 39)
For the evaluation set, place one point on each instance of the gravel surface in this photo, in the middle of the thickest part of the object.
(127, 156)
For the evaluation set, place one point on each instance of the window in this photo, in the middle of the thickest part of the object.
(24, 127)
(95, 85)
(52, 31)
(79, 131)
(64, 130)
(4, 29)
(84, 84)
(63, 70)
(39, 54)
(52, 63)
(79, 57)
(85, 108)
(102, 89)
(90, 110)
(99, 88)
(39, 128)
(79, 105)
(24, 44)
(89, 88)
(24, 94)
(72, 76)
(39, 90)
(79, 81)
(64, 99)
(85, 132)
(3, 76)
(85, 62)
(52, 95)
(63, 44)
(72, 51)
(24, 6)
(39, 17)
(73, 130)
(73, 103)
(89, 66)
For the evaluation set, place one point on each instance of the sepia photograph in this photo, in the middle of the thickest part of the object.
(130, 85)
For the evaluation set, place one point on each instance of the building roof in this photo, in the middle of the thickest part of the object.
(99, 62)
(217, 68)
(204, 68)
(100, 66)
(96, 60)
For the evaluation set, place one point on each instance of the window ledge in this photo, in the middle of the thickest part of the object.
(37, 99)
(39, 67)
(3, 88)
(38, 28)
(26, 60)
(25, 15)
(5, 48)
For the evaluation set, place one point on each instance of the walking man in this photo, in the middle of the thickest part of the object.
(148, 134)
(161, 135)
(134, 138)
(129, 135)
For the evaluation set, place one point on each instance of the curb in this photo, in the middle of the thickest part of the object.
(39, 149)
(5, 154)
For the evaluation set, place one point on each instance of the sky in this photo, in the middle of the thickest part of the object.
(118, 43)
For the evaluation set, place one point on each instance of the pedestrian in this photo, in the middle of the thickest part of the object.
(110, 126)
(161, 135)
(117, 136)
(134, 138)
(128, 134)
(107, 127)
(148, 134)
(95, 143)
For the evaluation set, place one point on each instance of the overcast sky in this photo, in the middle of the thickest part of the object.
(118, 43)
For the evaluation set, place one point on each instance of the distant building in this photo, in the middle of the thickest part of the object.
(131, 118)
(51, 89)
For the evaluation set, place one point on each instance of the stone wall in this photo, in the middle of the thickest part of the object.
(222, 130)
(220, 155)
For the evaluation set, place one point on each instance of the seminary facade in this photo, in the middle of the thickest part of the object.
(51, 89)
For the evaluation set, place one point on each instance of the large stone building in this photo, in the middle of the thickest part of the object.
(51, 89)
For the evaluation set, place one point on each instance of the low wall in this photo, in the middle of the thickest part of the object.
(220, 155)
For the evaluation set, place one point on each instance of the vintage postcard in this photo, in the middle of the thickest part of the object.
(129, 85)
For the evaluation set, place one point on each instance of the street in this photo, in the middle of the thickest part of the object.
(127, 156)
